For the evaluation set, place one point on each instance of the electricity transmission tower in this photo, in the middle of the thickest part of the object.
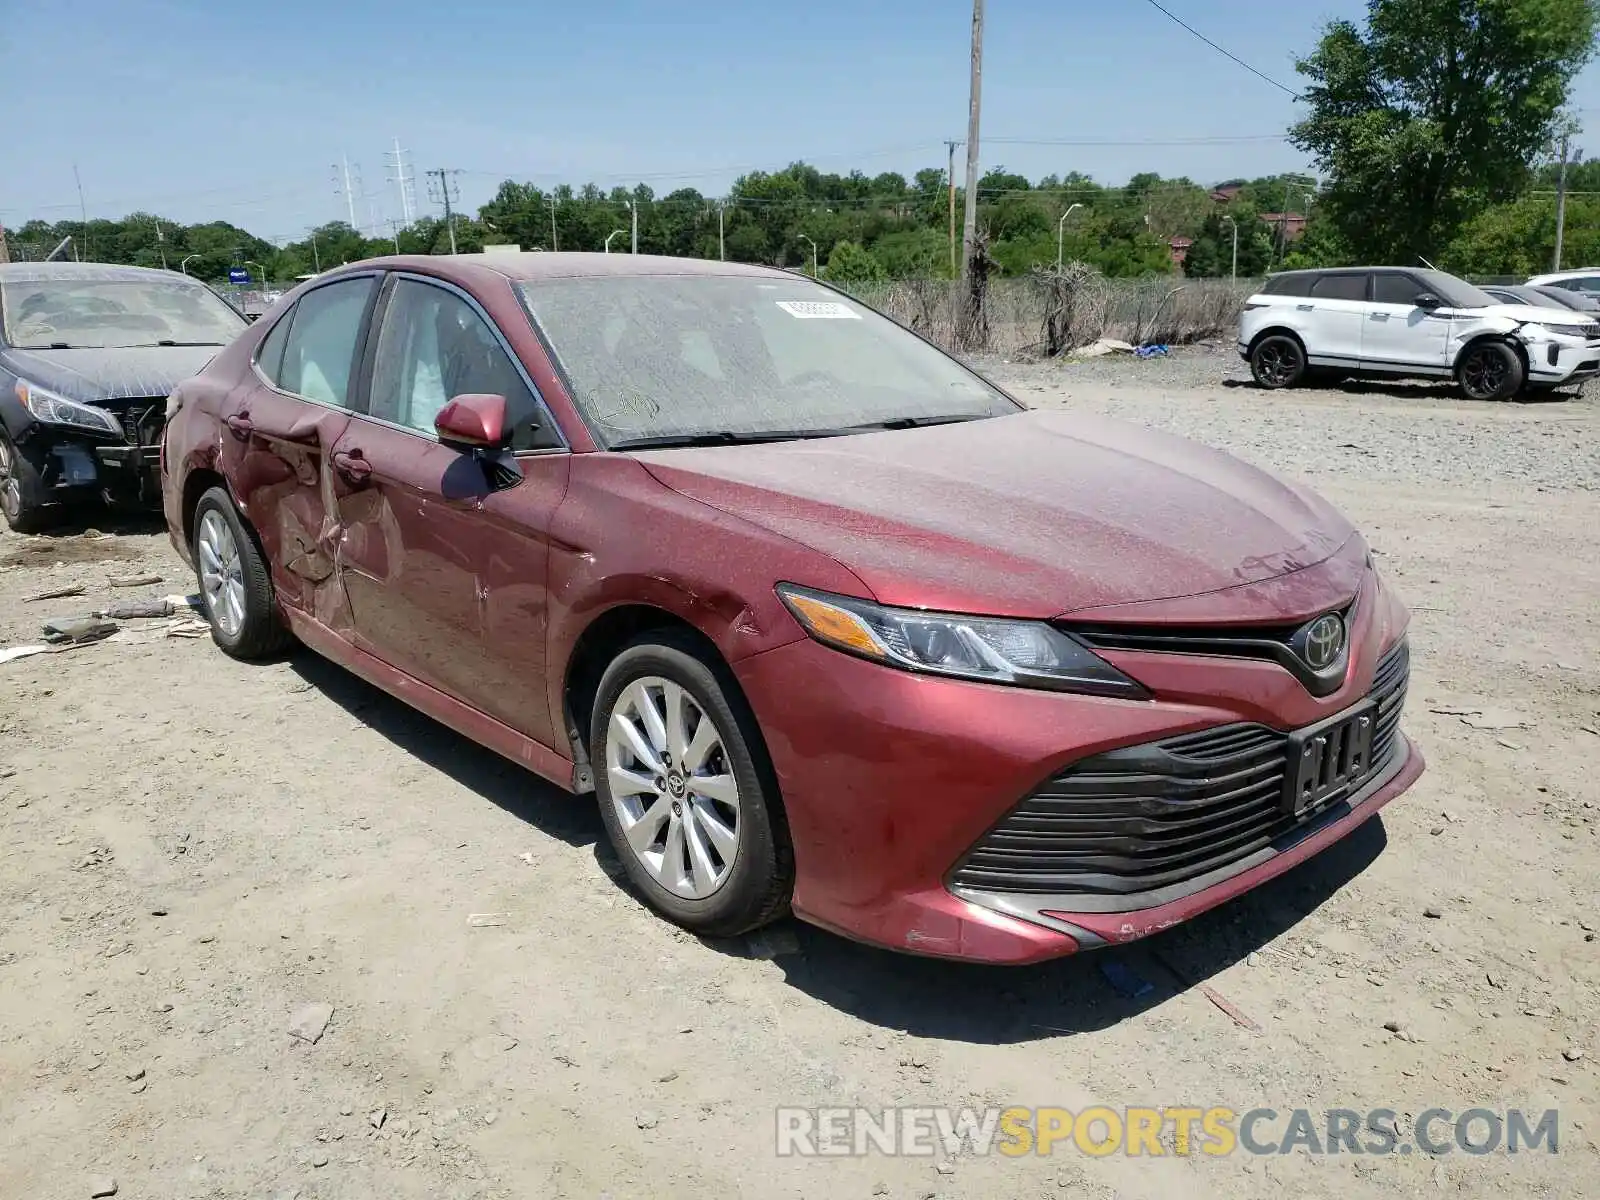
(347, 183)
(404, 176)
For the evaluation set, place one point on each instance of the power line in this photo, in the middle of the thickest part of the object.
(1177, 20)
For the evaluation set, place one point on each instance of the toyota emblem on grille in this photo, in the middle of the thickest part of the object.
(1321, 641)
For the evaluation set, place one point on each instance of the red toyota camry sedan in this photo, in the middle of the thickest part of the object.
(826, 621)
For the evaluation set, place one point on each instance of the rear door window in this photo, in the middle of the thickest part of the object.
(320, 352)
(1340, 287)
(269, 355)
(1289, 285)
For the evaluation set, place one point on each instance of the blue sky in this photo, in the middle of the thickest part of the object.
(199, 109)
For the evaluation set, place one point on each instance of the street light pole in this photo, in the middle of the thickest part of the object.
(611, 235)
(722, 242)
(1061, 226)
(260, 269)
(1235, 225)
(554, 243)
(633, 221)
(184, 265)
(813, 246)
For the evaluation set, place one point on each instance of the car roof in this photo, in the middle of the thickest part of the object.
(1579, 273)
(535, 265)
(37, 272)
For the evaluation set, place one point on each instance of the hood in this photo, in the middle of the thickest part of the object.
(1036, 515)
(112, 374)
(1531, 312)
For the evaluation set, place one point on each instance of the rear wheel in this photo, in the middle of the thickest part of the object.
(21, 489)
(685, 790)
(1277, 361)
(1490, 371)
(235, 586)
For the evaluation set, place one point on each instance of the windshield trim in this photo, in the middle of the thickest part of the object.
(521, 288)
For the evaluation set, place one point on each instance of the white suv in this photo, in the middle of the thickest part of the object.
(1394, 321)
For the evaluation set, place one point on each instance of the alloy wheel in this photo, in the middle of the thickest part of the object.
(1278, 363)
(221, 573)
(672, 787)
(10, 485)
(1484, 373)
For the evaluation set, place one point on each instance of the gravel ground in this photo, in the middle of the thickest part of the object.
(193, 851)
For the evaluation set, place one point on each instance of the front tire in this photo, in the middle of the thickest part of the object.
(1490, 371)
(686, 792)
(1277, 361)
(235, 585)
(22, 490)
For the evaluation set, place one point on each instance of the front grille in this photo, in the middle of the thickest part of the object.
(1273, 643)
(1152, 816)
(141, 419)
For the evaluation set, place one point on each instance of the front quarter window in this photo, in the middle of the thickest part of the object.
(743, 356)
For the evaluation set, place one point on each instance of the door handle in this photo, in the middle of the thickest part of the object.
(1305, 307)
(240, 425)
(1380, 316)
(352, 465)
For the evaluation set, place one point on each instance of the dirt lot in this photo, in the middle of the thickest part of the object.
(195, 850)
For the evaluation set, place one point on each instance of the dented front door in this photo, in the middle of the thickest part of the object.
(409, 518)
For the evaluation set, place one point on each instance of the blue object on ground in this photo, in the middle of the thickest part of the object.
(1151, 351)
(1124, 980)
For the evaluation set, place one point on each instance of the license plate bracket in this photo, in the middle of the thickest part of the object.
(1329, 756)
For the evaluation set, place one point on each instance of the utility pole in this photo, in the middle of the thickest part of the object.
(813, 246)
(722, 242)
(1561, 201)
(446, 186)
(1235, 225)
(950, 178)
(161, 243)
(633, 221)
(5, 251)
(555, 243)
(969, 233)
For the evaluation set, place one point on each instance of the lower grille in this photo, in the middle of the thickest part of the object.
(1151, 816)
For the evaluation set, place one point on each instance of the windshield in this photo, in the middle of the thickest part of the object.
(113, 313)
(1456, 293)
(675, 357)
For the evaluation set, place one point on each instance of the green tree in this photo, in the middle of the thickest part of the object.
(849, 262)
(1434, 111)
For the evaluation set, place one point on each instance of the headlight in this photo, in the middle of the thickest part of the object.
(45, 405)
(986, 649)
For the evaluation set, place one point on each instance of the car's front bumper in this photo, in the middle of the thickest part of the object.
(890, 780)
(1565, 360)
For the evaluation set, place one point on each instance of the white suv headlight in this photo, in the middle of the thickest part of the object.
(47, 406)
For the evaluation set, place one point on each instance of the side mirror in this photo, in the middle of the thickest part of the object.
(1429, 300)
(474, 421)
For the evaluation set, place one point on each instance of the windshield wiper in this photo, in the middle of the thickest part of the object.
(170, 342)
(919, 422)
(722, 437)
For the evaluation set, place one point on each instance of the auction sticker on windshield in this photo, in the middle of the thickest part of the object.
(818, 310)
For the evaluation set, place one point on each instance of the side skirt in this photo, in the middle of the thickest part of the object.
(463, 718)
